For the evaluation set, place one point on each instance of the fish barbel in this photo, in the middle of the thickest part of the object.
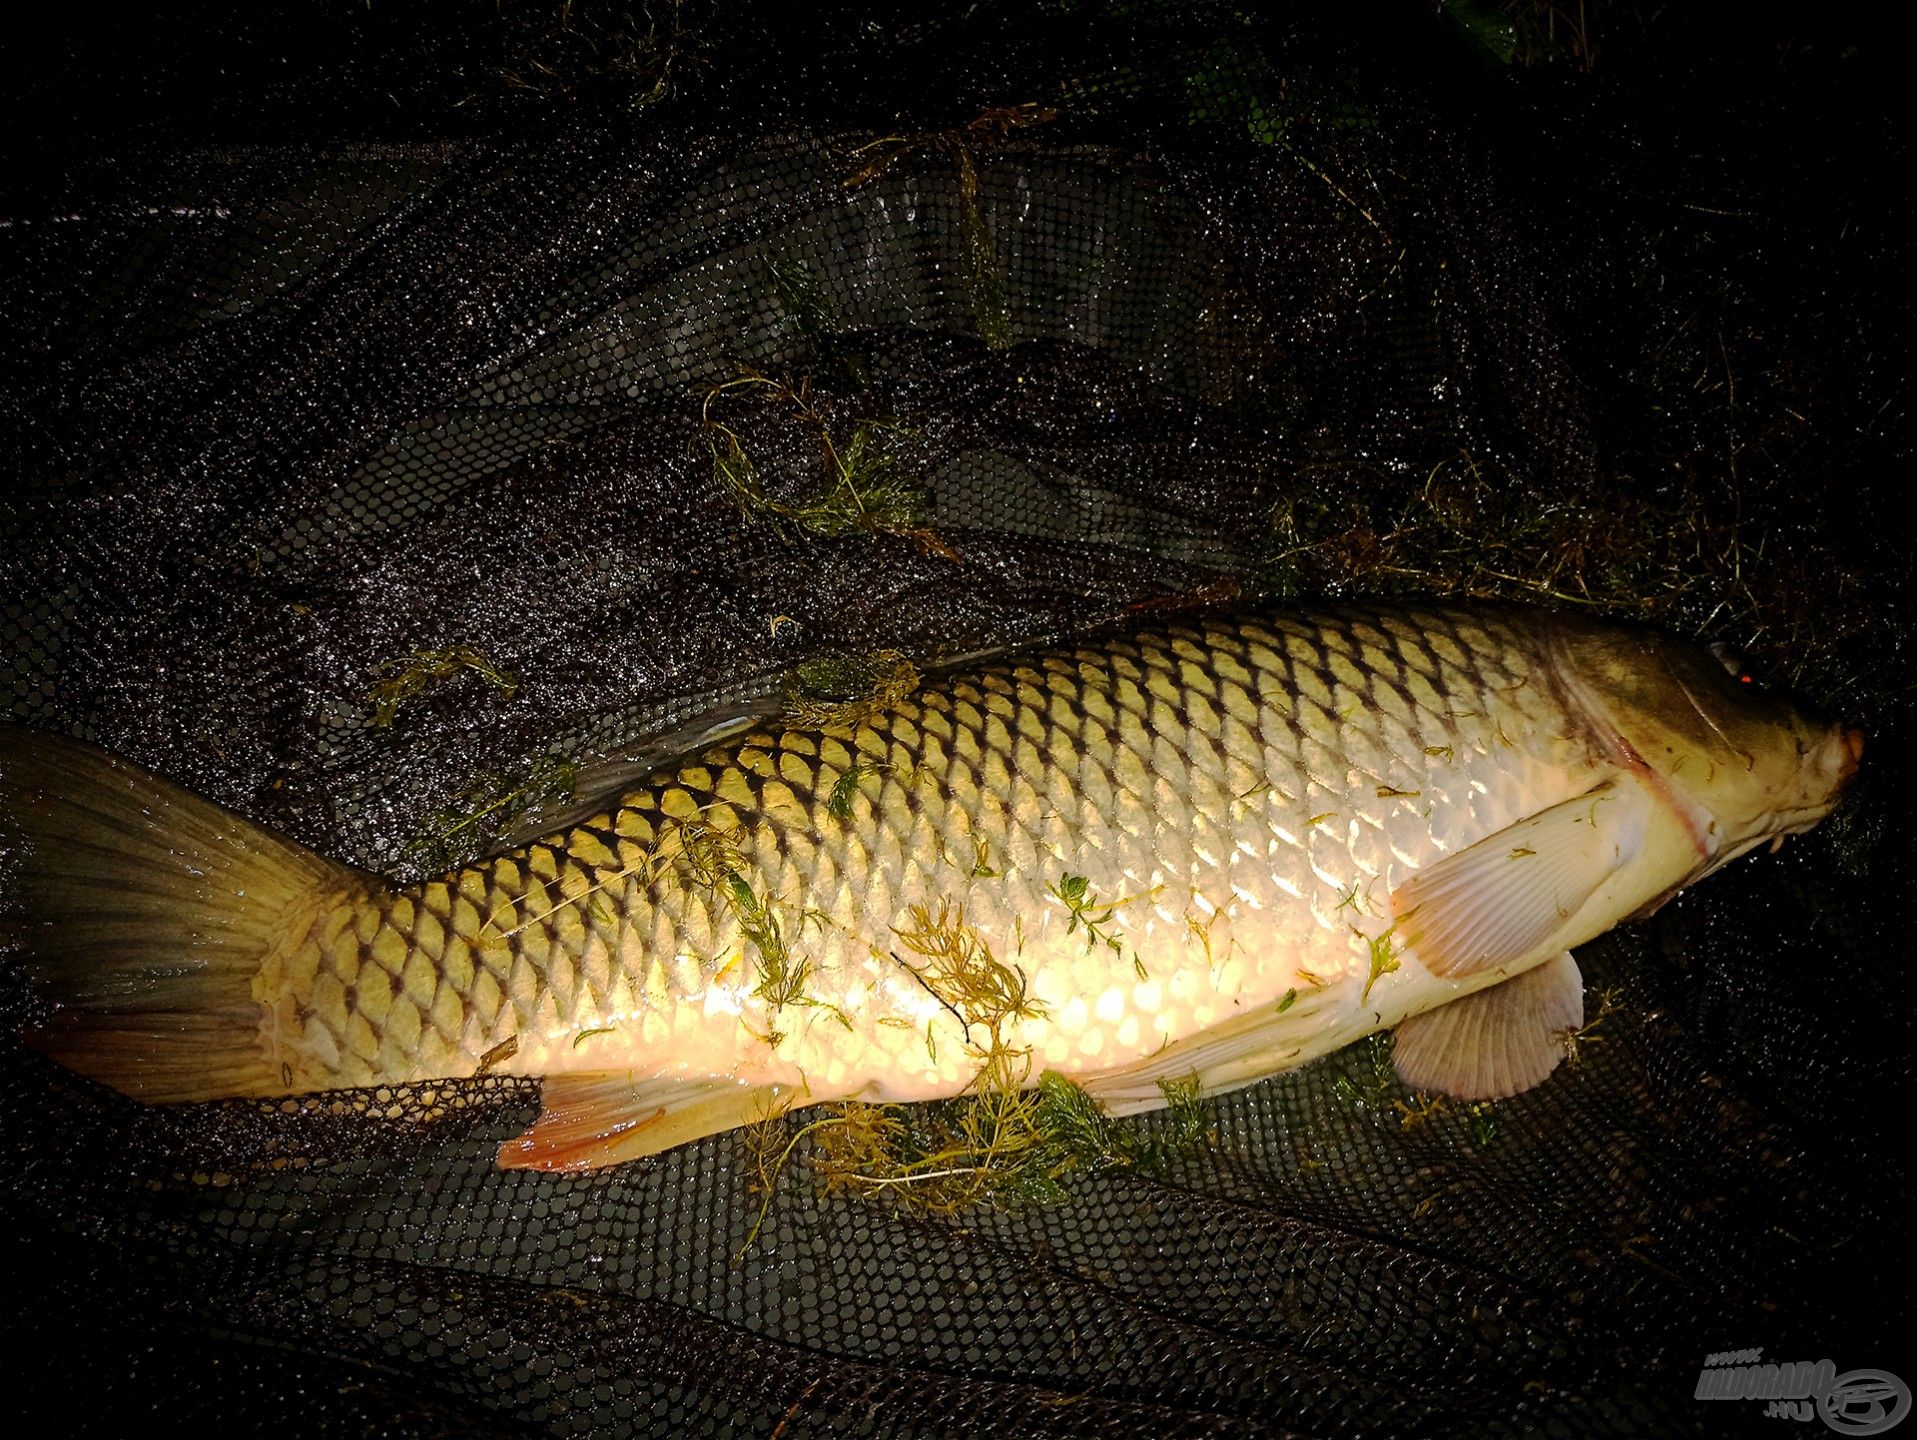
(1214, 850)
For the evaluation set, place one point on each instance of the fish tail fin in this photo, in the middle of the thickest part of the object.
(146, 916)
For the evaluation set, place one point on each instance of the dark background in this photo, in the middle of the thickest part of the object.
(1583, 305)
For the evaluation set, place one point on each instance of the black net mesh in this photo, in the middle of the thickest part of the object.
(642, 355)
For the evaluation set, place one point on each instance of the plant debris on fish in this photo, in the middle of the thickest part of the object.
(1218, 848)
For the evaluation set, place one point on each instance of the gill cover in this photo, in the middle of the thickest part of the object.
(1746, 763)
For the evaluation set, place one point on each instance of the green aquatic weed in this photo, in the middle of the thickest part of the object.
(1366, 1078)
(400, 679)
(838, 803)
(982, 868)
(984, 272)
(1083, 910)
(1188, 1116)
(862, 487)
(961, 971)
(1007, 1139)
(845, 691)
(490, 807)
(793, 286)
(1003, 1143)
(782, 975)
(1590, 1032)
(1383, 956)
(1482, 1121)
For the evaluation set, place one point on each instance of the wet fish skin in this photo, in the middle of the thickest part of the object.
(1195, 776)
(1192, 845)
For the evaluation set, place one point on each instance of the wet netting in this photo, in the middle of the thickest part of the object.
(417, 417)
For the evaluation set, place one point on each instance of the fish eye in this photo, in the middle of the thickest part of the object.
(1733, 661)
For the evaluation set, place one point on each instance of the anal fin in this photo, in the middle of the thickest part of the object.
(597, 1118)
(1494, 1042)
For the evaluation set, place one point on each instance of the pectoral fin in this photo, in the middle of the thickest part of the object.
(606, 1117)
(1495, 1042)
(1504, 898)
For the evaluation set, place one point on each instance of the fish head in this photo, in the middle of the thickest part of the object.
(1750, 764)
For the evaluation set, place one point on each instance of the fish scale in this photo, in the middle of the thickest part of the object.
(1210, 850)
(1240, 795)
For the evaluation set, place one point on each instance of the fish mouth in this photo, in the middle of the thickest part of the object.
(1822, 779)
(1851, 739)
(1828, 770)
(1826, 774)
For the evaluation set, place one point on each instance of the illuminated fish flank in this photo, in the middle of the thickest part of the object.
(1212, 850)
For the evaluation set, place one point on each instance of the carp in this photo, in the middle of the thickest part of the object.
(1206, 851)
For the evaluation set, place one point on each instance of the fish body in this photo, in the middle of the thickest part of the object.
(1210, 850)
(1237, 797)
